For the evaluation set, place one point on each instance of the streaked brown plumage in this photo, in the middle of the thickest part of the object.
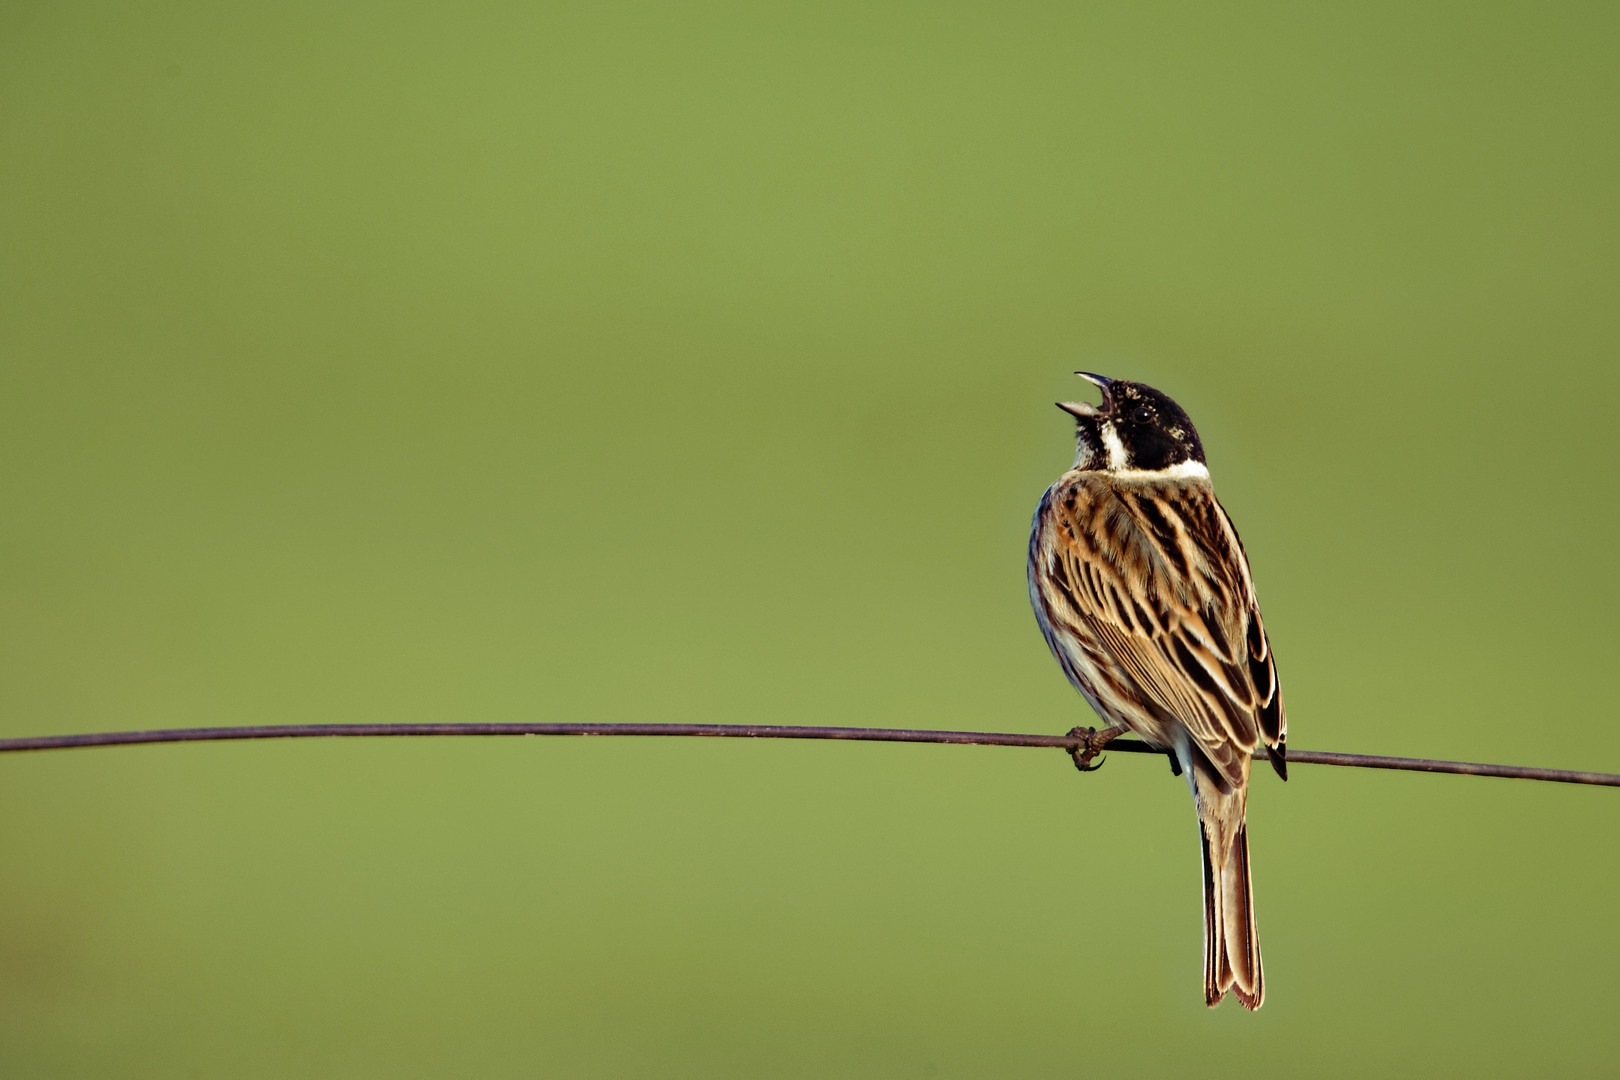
(1142, 589)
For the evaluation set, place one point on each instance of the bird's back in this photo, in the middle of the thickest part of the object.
(1143, 594)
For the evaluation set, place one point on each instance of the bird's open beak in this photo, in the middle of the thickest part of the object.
(1080, 408)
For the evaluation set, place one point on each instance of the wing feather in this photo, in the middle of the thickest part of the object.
(1159, 578)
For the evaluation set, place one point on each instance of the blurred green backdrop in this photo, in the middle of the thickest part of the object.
(368, 362)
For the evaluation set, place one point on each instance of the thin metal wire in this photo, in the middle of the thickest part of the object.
(1068, 743)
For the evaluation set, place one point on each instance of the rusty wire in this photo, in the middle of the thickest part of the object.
(1067, 743)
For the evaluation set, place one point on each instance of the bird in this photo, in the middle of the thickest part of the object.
(1143, 593)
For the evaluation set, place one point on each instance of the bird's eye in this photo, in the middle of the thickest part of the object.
(1143, 414)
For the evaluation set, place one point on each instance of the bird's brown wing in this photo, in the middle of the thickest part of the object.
(1158, 576)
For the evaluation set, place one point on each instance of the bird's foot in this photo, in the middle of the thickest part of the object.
(1092, 742)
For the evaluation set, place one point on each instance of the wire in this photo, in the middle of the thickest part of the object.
(1067, 743)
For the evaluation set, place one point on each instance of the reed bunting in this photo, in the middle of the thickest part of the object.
(1143, 592)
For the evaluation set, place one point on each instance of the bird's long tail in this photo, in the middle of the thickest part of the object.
(1231, 946)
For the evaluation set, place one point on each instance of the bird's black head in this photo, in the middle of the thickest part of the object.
(1136, 429)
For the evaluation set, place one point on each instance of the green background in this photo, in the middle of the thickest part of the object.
(612, 362)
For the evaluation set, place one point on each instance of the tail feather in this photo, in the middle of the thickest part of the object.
(1231, 946)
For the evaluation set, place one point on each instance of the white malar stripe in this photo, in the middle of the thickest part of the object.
(1184, 470)
(1116, 449)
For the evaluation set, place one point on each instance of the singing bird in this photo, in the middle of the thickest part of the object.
(1143, 592)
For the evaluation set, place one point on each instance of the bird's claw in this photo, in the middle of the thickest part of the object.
(1092, 742)
(1085, 752)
